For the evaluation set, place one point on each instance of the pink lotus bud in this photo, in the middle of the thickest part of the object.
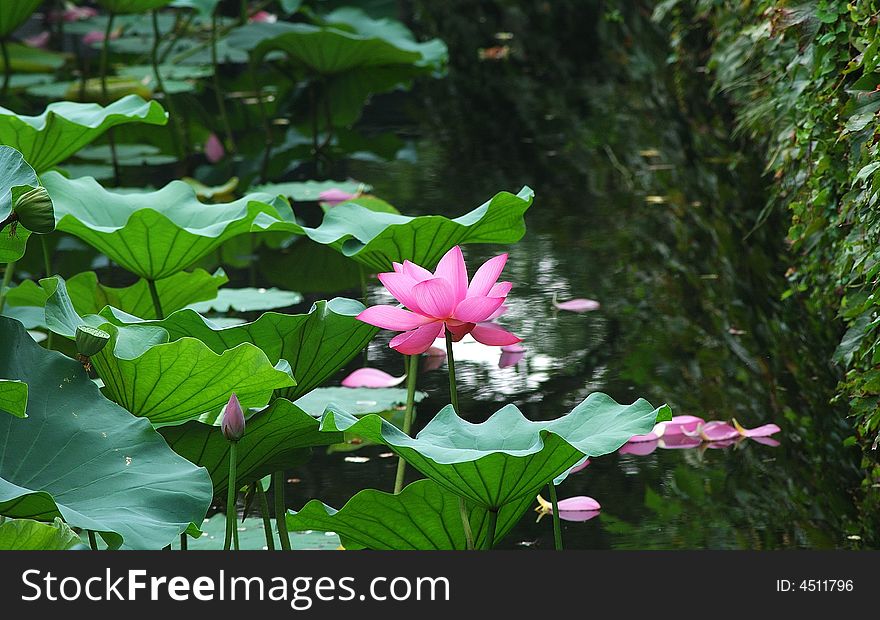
(233, 420)
(214, 150)
(264, 17)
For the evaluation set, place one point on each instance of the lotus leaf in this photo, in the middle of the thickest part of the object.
(507, 457)
(83, 458)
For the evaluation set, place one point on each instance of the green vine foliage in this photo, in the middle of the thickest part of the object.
(804, 84)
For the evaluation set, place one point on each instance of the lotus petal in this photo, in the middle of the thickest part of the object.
(577, 305)
(371, 378)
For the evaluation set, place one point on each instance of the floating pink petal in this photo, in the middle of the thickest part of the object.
(576, 305)
(580, 466)
(640, 448)
(513, 348)
(510, 358)
(725, 443)
(761, 431)
(263, 17)
(578, 503)
(336, 196)
(679, 424)
(580, 508)
(38, 40)
(578, 516)
(214, 150)
(371, 378)
(716, 431)
(767, 441)
(678, 442)
(652, 436)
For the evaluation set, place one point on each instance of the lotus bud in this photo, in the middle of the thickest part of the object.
(90, 340)
(233, 420)
(33, 210)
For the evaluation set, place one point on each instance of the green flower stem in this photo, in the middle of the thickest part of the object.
(93, 542)
(267, 521)
(466, 524)
(218, 92)
(557, 526)
(264, 118)
(453, 396)
(47, 265)
(105, 53)
(184, 544)
(157, 303)
(412, 366)
(7, 280)
(450, 363)
(492, 515)
(280, 510)
(231, 515)
(169, 101)
(7, 69)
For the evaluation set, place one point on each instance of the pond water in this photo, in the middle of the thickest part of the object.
(647, 207)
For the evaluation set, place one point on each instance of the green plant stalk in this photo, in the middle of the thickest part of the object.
(47, 265)
(466, 524)
(221, 103)
(169, 100)
(105, 53)
(492, 516)
(157, 303)
(93, 542)
(7, 279)
(412, 365)
(267, 521)
(184, 544)
(231, 516)
(267, 128)
(280, 509)
(7, 69)
(453, 396)
(557, 526)
(179, 28)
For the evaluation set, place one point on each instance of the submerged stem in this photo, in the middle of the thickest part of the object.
(221, 103)
(7, 69)
(280, 511)
(157, 303)
(557, 526)
(412, 365)
(93, 542)
(267, 521)
(175, 129)
(231, 515)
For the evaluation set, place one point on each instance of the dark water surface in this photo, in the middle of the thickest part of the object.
(645, 203)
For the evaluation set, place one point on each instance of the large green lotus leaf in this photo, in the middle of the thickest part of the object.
(275, 438)
(423, 516)
(132, 6)
(157, 234)
(377, 239)
(507, 457)
(330, 50)
(13, 13)
(356, 401)
(316, 344)
(168, 381)
(245, 300)
(15, 172)
(306, 191)
(13, 397)
(85, 459)
(90, 296)
(329, 271)
(30, 535)
(65, 127)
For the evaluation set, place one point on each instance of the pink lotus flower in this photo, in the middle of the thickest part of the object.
(440, 301)
(371, 378)
(72, 13)
(335, 196)
(232, 424)
(214, 150)
(713, 431)
(576, 305)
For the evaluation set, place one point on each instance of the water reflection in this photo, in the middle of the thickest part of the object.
(650, 212)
